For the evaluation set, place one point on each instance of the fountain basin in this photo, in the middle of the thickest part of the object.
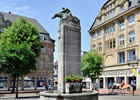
(46, 95)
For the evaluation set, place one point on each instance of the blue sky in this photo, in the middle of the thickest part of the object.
(43, 10)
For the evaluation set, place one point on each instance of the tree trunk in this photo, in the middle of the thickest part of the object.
(17, 88)
(14, 81)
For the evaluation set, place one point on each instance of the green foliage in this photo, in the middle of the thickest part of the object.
(91, 64)
(19, 46)
(17, 60)
(22, 31)
(74, 78)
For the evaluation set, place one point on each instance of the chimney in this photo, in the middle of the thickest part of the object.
(9, 12)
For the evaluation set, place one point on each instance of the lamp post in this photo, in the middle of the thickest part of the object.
(133, 71)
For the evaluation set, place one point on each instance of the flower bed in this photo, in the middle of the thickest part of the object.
(74, 78)
(74, 83)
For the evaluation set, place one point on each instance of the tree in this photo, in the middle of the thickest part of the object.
(91, 64)
(19, 46)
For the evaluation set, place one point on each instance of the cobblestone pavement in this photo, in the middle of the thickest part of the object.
(34, 95)
(23, 95)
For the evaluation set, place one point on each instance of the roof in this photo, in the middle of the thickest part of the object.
(13, 17)
(132, 3)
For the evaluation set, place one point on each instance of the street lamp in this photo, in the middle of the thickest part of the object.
(132, 64)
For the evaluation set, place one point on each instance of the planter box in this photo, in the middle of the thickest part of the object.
(74, 87)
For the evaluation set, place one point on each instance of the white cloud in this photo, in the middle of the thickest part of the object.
(15, 6)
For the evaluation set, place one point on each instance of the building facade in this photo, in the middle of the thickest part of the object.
(44, 73)
(55, 74)
(116, 32)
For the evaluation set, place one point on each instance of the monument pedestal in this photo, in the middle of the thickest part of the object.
(74, 87)
(75, 96)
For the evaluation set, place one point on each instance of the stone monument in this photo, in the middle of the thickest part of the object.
(69, 46)
(69, 58)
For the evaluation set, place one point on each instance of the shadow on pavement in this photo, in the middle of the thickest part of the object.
(107, 94)
(29, 97)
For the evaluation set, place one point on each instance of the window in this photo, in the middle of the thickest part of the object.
(100, 20)
(99, 34)
(1, 30)
(100, 47)
(131, 20)
(121, 24)
(111, 29)
(114, 12)
(5, 78)
(111, 13)
(121, 39)
(50, 64)
(110, 45)
(50, 50)
(131, 37)
(121, 8)
(41, 36)
(43, 49)
(121, 57)
(114, 44)
(41, 64)
(94, 46)
(1, 78)
(131, 55)
(114, 28)
(94, 36)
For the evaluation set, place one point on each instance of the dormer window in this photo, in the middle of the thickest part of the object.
(121, 8)
(99, 34)
(94, 36)
(131, 20)
(100, 20)
(121, 24)
(41, 36)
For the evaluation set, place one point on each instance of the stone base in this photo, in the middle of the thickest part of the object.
(74, 87)
(75, 96)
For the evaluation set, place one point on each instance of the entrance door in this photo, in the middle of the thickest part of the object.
(101, 82)
(110, 81)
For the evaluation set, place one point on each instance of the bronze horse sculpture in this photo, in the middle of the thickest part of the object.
(66, 14)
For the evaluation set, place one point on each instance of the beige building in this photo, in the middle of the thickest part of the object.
(44, 73)
(116, 32)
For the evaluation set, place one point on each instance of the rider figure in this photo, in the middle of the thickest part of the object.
(122, 83)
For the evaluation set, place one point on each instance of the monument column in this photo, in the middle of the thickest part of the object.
(69, 46)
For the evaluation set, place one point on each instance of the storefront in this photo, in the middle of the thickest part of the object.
(28, 82)
(118, 76)
(41, 81)
(3, 82)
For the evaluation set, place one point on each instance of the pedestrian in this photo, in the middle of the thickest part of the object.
(110, 84)
(49, 88)
(122, 84)
(46, 87)
(114, 86)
